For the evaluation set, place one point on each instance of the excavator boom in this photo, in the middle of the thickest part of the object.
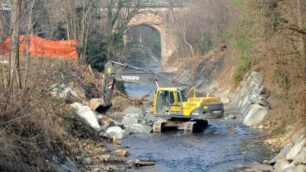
(115, 71)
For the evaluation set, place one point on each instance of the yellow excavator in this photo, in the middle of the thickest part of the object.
(171, 107)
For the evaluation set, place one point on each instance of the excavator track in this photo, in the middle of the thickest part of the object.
(158, 126)
(196, 126)
(188, 127)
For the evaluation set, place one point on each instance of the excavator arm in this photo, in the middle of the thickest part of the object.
(115, 71)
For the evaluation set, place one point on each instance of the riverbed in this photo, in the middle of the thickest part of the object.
(224, 145)
(221, 147)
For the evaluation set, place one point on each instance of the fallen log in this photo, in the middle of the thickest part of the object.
(140, 163)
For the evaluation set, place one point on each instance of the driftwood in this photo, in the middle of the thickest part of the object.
(140, 163)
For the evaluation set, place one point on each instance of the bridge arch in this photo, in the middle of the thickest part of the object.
(157, 21)
(147, 37)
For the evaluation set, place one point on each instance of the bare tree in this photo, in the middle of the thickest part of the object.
(200, 24)
(118, 15)
(79, 18)
(14, 50)
(28, 34)
(86, 22)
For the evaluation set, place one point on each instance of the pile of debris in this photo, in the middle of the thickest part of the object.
(132, 121)
(112, 125)
(291, 158)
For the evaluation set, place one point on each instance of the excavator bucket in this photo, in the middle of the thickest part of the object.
(98, 105)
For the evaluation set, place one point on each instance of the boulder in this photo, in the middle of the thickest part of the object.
(117, 116)
(132, 109)
(299, 168)
(301, 158)
(121, 153)
(149, 118)
(255, 116)
(281, 165)
(106, 122)
(114, 132)
(296, 149)
(87, 115)
(282, 154)
(138, 129)
(133, 115)
(258, 99)
(299, 136)
(129, 121)
(62, 91)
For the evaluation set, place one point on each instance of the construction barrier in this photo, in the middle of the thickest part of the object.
(40, 47)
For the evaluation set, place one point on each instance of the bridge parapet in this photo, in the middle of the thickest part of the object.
(152, 4)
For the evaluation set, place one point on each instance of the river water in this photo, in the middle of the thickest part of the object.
(224, 145)
(221, 147)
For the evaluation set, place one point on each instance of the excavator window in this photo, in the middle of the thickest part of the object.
(171, 98)
(164, 100)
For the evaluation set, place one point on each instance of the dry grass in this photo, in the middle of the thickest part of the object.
(282, 61)
(28, 132)
(277, 52)
(34, 126)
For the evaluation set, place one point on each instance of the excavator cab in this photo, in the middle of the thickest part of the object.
(167, 100)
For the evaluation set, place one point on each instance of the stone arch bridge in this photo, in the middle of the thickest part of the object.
(160, 19)
(159, 14)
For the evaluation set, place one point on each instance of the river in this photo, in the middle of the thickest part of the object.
(221, 147)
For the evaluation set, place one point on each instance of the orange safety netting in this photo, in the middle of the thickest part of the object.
(40, 47)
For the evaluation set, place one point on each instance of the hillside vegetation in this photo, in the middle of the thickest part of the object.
(224, 39)
(267, 36)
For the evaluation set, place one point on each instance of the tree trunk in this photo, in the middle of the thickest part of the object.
(84, 29)
(28, 43)
(185, 39)
(14, 51)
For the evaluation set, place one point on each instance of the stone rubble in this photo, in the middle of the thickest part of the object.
(114, 132)
(62, 91)
(250, 99)
(89, 116)
(291, 159)
(133, 121)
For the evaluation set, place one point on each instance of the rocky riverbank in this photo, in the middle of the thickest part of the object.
(249, 104)
(292, 158)
(250, 99)
(94, 138)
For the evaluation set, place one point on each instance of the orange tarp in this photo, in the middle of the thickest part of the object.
(40, 47)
